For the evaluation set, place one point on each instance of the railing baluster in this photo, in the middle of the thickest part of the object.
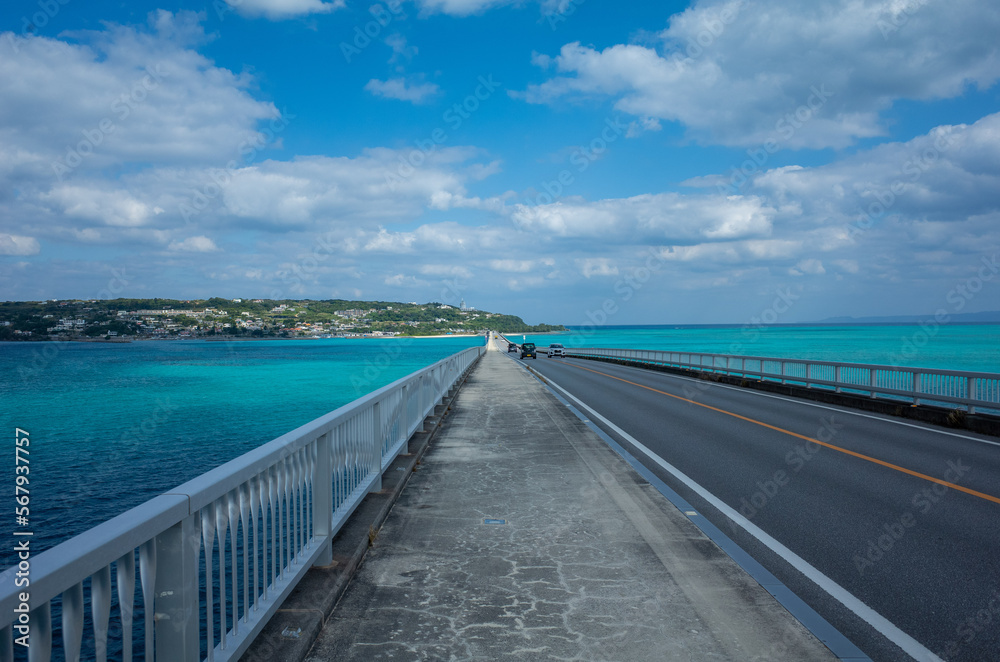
(233, 505)
(100, 610)
(208, 542)
(125, 574)
(245, 501)
(147, 578)
(72, 621)
(40, 649)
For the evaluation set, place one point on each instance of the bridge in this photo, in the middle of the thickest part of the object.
(613, 504)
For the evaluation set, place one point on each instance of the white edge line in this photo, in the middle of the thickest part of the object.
(890, 631)
(844, 408)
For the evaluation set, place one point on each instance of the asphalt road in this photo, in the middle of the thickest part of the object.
(924, 556)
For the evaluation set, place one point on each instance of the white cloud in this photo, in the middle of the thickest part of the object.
(400, 88)
(277, 10)
(597, 266)
(512, 266)
(810, 266)
(661, 218)
(12, 244)
(199, 244)
(820, 78)
(140, 96)
(460, 7)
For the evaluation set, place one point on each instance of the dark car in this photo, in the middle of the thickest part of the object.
(511, 347)
(528, 351)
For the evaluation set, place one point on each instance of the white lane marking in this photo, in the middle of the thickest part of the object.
(837, 409)
(911, 646)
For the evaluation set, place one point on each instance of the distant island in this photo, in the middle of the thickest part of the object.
(122, 320)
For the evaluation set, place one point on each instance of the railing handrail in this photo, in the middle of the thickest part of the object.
(696, 360)
(68, 564)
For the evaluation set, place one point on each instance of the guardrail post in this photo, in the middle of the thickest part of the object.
(375, 440)
(836, 377)
(871, 382)
(970, 393)
(322, 503)
(809, 374)
(916, 388)
(175, 592)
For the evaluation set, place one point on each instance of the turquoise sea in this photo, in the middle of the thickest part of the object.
(973, 347)
(112, 425)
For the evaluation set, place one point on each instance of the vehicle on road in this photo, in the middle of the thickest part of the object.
(528, 351)
(511, 347)
(555, 349)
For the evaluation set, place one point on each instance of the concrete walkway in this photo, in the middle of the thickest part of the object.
(522, 536)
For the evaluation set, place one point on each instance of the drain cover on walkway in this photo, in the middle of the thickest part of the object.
(494, 521)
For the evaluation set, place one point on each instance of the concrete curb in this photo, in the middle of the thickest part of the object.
(949, 418)
(293, 630)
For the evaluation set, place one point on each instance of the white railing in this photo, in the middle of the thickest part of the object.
(219, 554)
(916, 385)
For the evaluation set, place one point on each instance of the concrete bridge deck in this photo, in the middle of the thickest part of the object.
(523, 536)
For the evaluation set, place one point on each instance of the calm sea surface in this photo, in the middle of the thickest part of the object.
(112, 425)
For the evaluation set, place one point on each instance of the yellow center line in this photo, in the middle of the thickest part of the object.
(861, 456)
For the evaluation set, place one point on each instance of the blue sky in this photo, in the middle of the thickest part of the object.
(711, 162)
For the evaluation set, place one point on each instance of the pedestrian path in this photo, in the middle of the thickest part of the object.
(522, 536)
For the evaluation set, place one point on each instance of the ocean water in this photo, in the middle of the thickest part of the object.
(974, 347)
(112, 425)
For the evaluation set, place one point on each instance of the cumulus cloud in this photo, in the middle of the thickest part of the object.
(400, 88)
(597, 266)
(140, 95)
(277, 10)
(820, 79)
(661, 218)
(12, 244)
(460, 7)
(199, 244)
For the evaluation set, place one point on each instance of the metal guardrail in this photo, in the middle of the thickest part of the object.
(952, 387)
(263, 518)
